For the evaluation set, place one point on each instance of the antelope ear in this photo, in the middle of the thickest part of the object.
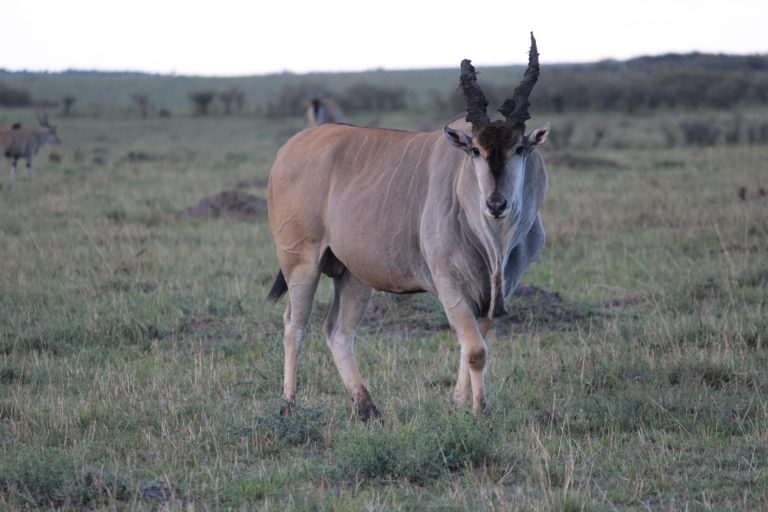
(538, 136)
(458, 138)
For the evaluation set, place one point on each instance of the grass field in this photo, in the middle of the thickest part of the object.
(140, 365)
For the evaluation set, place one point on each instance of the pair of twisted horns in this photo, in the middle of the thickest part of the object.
(42, 119)
(514, 109)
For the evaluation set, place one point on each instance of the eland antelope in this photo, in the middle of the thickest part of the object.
(453, 212)
(324, 110)
(18, 141)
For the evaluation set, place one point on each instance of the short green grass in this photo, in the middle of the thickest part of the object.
(140, 365)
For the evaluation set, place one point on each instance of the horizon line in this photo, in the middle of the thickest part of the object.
(173, 73)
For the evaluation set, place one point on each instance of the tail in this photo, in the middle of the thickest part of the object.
(279, 288)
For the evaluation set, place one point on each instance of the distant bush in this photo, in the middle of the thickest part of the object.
(562, 136)
(14, 96)
(757, 133)
(66, 104)
(708, 131)
(142, 103)
(201, 100)
(700, 132)
(369, 96)
(452, 101)
(232, 99)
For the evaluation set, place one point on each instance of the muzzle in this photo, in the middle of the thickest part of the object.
(497, 205)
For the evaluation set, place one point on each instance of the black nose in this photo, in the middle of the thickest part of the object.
(496, 205)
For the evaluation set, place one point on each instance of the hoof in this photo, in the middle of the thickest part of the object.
(287, 408)
(483, 411)
(366, 410)
(368, 413)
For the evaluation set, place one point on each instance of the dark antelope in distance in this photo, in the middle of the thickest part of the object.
(324, 110)
(18, 141)
(453, 212)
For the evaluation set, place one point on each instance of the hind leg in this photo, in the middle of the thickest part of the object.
(350, 300)
(302, 284)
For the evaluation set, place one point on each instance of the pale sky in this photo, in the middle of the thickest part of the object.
(228, 37)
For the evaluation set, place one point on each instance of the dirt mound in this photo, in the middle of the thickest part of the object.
(145, 157)
(533, 305)
(230, 204)
(415, 313)
(422, 313)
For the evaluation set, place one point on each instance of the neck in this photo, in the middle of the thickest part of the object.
(491, 237)
(41, 136)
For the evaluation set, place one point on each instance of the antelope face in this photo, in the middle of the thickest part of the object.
(499, 153)
(499, 149)
(53, 138)
(48, 130)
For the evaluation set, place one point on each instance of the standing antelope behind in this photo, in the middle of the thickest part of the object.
(453, 212)
(18, 141)
(324, 110)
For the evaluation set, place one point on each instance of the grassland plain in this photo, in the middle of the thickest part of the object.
(140, 365)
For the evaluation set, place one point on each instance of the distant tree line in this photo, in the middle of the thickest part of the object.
(687, 82)
(232, 99)
(292, 99)
(695, 60)
(568, 90)
(14, 96)
(707, 131)
(668, 81)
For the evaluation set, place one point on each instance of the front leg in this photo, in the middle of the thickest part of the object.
(461, 392)
(470, 332)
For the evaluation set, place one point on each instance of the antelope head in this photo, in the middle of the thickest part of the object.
(49, 129)
(499, 149)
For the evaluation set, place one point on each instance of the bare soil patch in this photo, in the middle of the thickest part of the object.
(396, 314)
(233, 204)
(530, 305)
(145, 157)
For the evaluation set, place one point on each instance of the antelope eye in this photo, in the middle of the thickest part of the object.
(519, 150)
(475, 152)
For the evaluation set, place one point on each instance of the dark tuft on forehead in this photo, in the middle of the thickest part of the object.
(497, 139)
(498, 135)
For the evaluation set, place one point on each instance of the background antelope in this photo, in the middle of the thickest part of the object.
(324, 110)
(18, 141)
(452, 212)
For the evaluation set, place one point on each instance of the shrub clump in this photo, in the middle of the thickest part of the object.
(32, 479)
(273, 432)
(417, 452)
